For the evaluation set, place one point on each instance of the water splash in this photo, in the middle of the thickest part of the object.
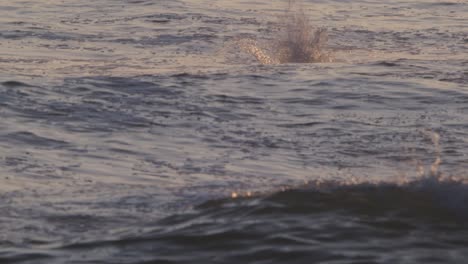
(434, 167)
(296, 41)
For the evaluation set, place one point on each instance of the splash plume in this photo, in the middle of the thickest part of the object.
(296, 41)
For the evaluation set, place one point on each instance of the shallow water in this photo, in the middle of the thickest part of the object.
(127, 127)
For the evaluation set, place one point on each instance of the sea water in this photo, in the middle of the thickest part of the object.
(193, 131)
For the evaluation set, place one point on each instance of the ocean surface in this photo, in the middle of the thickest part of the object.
(143, 131)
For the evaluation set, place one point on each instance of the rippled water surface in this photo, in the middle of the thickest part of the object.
(141, 132)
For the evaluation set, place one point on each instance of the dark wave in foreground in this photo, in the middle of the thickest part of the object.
(424, 221)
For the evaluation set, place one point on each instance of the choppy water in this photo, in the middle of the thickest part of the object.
(128, 127)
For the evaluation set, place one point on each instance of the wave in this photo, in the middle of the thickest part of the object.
(424, 198)
(424, 221)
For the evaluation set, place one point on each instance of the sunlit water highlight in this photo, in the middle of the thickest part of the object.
(196, 132)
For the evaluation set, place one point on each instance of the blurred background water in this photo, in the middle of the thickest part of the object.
(128, 126)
